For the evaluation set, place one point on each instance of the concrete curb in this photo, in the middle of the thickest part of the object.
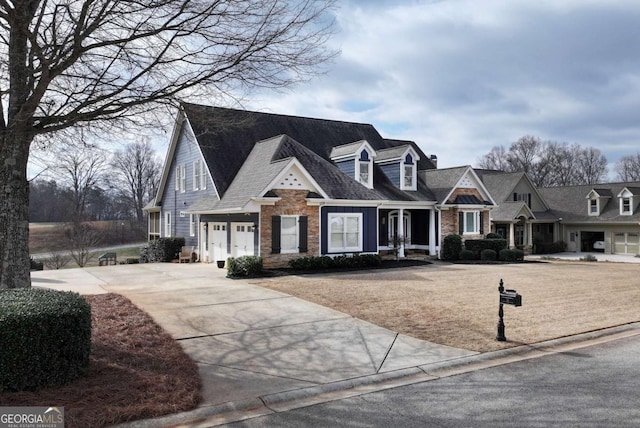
(289, 400)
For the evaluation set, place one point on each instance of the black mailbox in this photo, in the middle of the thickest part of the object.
(510, 297)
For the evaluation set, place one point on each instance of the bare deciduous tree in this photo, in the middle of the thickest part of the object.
(139, 169)
(549, 163)
(82, 240)
(82, 169)
(66, 63)
(628, 168)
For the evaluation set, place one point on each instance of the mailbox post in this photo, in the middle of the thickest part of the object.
(507, 297)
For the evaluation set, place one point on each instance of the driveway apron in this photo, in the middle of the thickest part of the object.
(249, 341)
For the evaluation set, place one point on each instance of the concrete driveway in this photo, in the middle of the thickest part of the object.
(252, 344)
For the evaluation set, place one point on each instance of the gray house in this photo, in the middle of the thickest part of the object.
(247, 183)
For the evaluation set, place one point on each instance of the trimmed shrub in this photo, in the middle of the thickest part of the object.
(477, 245)
(45, 336)
(511, 255)
(493, 236)
(488, 255)
(519, 255)
(36, 264)
(466, 255)
(451, 247)
(339, 262)
(244, 267)
(161, 250)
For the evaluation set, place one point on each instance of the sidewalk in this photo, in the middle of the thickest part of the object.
(256, 348)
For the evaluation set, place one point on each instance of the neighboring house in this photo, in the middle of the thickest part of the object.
(523, 216)
(240, 183)
(600, 217)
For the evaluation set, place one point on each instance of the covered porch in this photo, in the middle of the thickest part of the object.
(405, 229)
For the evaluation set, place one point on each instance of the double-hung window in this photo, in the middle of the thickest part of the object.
(626, 206)
(181, 178)
(199, 175)
(167, 224)
(408, 173)
(364, 172)
(345, 232)
(593, 207)
(289, 236)
(471, 222)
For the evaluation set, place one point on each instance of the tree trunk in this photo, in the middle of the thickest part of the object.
(14, 212)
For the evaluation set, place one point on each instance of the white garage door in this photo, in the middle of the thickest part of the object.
(626, 243)
(242, 239)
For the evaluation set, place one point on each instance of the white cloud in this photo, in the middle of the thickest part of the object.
(461, 76)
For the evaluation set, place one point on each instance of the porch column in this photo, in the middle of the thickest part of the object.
(401, 233)
(432, 232)
(512, 242)
(529, 234)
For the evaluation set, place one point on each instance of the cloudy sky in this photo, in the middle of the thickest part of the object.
(461, 76)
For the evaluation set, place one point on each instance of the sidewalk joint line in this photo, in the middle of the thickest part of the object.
(387, 353)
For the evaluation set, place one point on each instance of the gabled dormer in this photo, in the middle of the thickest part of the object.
(596, 201)
(628, 199)
(355, 160)
(400, 165)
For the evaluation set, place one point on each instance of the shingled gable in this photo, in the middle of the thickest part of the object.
(227, 136)
(443, 183)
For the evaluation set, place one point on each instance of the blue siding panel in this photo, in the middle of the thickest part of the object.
(392, 171)
(187, 151)
(369, 224)
(348, 167)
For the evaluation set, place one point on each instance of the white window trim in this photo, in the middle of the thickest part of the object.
(196, 175)
(167, 224)
(183, 178)
(360, 233)
(413, 174)
(476, 222)
(297, 240)
(203, 176)
(622, 210)
(597, 213)
(369, 183)
(192, 225)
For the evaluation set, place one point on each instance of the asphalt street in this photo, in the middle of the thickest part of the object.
(594, 386)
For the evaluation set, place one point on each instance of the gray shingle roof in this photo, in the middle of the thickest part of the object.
(345, 149)
(570, 203)
(442, 181)
(391, 153)
(500, 184)
(227, 136)
(508, 211)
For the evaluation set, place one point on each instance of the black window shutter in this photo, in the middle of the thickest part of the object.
(481, 223)
(461, 223)
(302, 224)
(275, 234)
(515, 197)
(529, 200)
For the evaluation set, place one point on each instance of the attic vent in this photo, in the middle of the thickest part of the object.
(290, 181)
(467, 182)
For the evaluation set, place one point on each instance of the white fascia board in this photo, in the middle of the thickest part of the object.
(166, 166)
(407, 204)
(305, 173)
(223, 211)
(345, 202)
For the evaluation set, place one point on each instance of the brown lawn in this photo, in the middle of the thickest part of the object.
(136, 371)
(457, 305)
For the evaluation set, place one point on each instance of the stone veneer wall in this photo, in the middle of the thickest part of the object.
(293, 202)
(450, 217)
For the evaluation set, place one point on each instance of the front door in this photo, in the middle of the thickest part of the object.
(242, 239)
(218, 241)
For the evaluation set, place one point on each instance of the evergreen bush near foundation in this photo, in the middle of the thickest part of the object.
(45, 338)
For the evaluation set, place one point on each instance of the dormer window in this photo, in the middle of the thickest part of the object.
(364, 169)
(628, 198)
(593, 207)
(408, 173)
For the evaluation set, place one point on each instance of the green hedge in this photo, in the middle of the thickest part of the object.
(45, 337)
(451, 247)
(511, 255)
(466, 255)
(477, 245)
(161, 250)
(339, 262)
(244, 267)
(488, 254)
